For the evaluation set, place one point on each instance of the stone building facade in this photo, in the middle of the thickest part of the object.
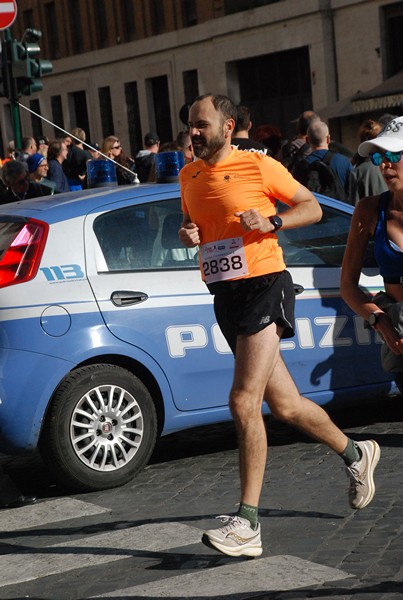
(129, 66)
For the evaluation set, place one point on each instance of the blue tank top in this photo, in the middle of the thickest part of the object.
(390, 261)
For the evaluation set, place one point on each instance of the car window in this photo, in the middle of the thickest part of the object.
(144, 237)
(319, 244)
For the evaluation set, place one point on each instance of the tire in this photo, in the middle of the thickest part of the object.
(100, 429)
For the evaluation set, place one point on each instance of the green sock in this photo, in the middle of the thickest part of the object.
(248, 512)
(352, 453)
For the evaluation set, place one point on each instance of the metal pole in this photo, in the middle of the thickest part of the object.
(12, 96)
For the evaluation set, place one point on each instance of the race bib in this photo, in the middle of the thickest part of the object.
(224, 259)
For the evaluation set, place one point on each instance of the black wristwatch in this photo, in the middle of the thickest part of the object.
(374, 318)
(276, 221)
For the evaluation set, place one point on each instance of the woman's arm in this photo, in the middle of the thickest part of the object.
(363, 224)
(362, 227)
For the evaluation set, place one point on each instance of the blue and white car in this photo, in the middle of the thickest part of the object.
(108, 337)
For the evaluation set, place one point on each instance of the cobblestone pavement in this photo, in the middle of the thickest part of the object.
(315, 546)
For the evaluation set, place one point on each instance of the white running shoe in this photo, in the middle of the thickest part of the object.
(361, 473)
(235, 538)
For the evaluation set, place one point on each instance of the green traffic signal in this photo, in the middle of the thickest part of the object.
(26, 69)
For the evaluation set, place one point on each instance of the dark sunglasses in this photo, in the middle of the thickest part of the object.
(116, 147)
(392, 157)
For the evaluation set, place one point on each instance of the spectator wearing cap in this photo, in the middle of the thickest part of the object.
(38, 169)
(145, 158)
(94, 149)
(17, 182)
(42, 145)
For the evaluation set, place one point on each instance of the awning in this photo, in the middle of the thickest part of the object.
(387, 95)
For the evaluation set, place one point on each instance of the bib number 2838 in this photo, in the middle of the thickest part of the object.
(223, 260)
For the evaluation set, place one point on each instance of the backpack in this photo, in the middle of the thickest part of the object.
(319, 177)
(291, 158)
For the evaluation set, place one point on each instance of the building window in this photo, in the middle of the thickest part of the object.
(101, 23)
(105, 106)
(52, 35)
(57, 114)
(234, 6)
(133, 117)
(161, 107)
(128, 20)
(157, 17)
(36, 122)
(28, 19)
(75, 27)
(79, 112)
(189, 12)
(190, 85)
(277, 99)
(393, 41)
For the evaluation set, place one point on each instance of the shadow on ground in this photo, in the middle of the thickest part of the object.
(32, 476)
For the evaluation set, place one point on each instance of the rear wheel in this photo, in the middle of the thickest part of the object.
(100, 429)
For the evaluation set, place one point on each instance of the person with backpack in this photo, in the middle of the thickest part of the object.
(298, 148)
(323, 171)
(145, 158)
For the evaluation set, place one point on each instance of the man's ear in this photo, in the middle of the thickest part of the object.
(229, 127)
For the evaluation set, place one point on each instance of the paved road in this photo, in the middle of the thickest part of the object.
(143, 540)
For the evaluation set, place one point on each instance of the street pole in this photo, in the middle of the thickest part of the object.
(7, 71)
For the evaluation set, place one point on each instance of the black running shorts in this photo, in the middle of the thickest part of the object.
(246, 306)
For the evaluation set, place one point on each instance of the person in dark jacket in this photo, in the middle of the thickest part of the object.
(17, 183)
(145, 158)
(75, 165)
(57, 154)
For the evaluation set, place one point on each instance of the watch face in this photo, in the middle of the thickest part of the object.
(372, 319)
(276, 221)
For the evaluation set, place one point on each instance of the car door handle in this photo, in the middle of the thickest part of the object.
(127, 297)
(298, 289)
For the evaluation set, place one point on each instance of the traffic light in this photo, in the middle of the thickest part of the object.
(26, 68)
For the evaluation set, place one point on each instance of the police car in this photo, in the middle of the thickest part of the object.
(108, 337)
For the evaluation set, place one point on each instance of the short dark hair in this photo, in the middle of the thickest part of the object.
(12, 169)
(242, 118)
(222, 104)
(26, 142)
(304, 120)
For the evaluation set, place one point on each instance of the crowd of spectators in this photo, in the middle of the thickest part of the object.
(60, 165)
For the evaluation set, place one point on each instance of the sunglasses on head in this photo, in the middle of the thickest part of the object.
(392, 157)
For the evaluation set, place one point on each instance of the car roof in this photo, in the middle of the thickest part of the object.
(60, 207)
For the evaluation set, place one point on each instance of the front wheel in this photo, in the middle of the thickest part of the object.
(100, 429)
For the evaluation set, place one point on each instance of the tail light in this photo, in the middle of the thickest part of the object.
(21, 249)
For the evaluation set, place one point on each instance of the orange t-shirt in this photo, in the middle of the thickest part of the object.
(211, 194)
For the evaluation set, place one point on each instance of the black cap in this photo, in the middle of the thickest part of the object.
(94, 146)
(151, 138)
(42, 140)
